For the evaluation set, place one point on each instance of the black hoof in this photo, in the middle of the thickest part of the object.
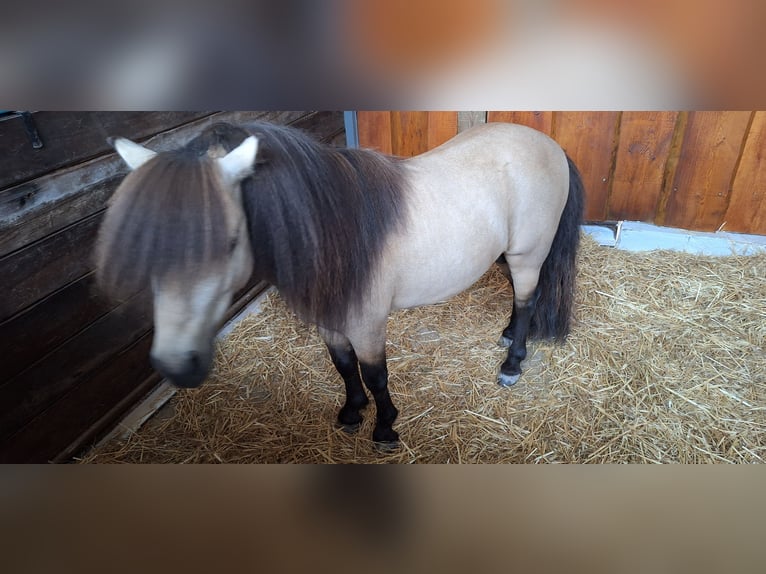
(349, 419)
(386, 447)
(385, 436)
(348, 428)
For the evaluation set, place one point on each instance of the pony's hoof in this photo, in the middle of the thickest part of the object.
(385, 447)
(385, 440)
(504, 341)
(507, 380)
(349, 428)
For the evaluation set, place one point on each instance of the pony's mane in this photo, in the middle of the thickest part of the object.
(166, 216)
(319, 219)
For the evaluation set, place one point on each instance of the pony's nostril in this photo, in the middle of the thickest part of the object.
(193, 358)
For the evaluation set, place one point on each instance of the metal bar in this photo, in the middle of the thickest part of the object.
(352, 129)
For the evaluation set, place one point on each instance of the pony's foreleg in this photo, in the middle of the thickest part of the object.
(375, 375)
(525, 295)
(345, 361)
(369, 341)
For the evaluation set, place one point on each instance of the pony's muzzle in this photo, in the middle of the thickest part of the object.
(188, 370)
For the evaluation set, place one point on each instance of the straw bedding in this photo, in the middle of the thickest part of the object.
(666, 363)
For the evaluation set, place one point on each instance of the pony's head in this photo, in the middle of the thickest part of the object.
(176, 226)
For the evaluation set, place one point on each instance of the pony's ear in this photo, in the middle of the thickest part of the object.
(238, 163)
(133, 154)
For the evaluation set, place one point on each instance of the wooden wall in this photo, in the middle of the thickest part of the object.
(71, 361)
(694, 170)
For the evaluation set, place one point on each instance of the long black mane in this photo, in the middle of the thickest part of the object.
(319, 217)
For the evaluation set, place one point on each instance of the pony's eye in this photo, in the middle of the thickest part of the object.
(233, 244)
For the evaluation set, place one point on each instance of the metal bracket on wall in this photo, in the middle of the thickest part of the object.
(29, 126)
(31, 129)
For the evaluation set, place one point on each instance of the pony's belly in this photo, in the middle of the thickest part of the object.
(427, 285)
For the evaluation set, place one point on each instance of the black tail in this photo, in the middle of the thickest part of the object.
(556, 286)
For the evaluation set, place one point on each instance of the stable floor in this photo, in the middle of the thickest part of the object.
(666, 363)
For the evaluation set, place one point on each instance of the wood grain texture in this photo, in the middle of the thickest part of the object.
(108, 393)
(30, 336)
(55, 215)
(375, 131)
(541, 121)
(73, 137)
(442, 126)
(44, 382)
(590, 139)
(710, 152)
(409, 133)
(747, 206)
(643, 146)
(38, 270)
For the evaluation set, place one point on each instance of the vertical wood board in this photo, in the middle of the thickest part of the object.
(699, 196)
(643, 146)
(409, 133)
(375, 131)
(442, 126)
(747, 206)
(589, 138)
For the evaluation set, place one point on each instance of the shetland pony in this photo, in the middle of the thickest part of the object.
(347, 236)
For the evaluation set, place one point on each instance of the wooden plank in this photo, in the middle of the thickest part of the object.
(442, 126)
(710, 151)
(21, 202)
(541, 121)
(30, 336)
(747, 208)
(56, 215)
(375, 131)
(643, 147)
(79, 415)
(409, 133)
(43, 202)
(72, 137)
(323, 126)
(36, 388)
(590, 139)
(42, 268)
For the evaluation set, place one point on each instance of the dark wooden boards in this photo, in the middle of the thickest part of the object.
(73, 137)
(49, 323)
(37, 271)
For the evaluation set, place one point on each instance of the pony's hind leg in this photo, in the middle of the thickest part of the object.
(344, 358)
(507, 335)
(525, 295)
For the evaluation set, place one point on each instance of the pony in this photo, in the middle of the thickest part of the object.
(346, 236)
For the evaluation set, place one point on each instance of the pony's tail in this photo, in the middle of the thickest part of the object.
(556, 286)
